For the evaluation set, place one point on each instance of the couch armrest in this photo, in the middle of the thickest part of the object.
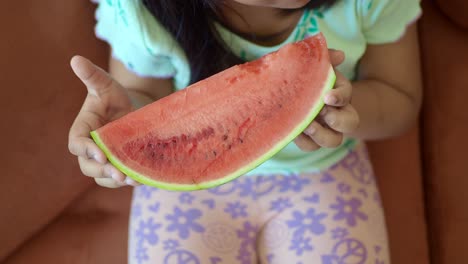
(40, 98)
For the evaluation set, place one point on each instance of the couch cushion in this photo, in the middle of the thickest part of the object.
(40, 98)
(397, 167)
(445, 53)
(455, 10)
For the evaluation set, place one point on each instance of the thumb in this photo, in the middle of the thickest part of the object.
(97, 81)
(336, 57)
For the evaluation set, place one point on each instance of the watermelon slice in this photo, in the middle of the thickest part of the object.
(224, 126)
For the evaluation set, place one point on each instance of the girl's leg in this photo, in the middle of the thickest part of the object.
(334, 217)
(202, 227)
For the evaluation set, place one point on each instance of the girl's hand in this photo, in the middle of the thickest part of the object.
(337, 117)
(106, 101)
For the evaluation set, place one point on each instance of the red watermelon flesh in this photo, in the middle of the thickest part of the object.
(224, 126)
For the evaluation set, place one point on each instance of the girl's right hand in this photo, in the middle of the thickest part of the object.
(106, 101)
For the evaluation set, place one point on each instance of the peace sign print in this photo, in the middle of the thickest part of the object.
(219, 237)
(181, 257)
(350, 251)
(358, 168)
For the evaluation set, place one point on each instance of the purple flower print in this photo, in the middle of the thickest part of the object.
(225, 189)
(147, 231)
(270, 258)
(363, 192)
(339, 233)
(215, 260)
(300, 244)
(154, 207)
(136, 211)
(144, 191)
(377, 249)
(348, 210)
(280, 204)
(184, 221)
(210, 203)
(344, 188)
(141, 255)
(256, 186)
(244, 256)
(246, 187)
(236, 209)
(171, 244)
(310, 221)
(327, 178)
(314, 198)
(331, 259)
(248, 234)
(293, 183)
(186, 198)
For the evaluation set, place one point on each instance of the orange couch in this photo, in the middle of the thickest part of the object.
(50, 213)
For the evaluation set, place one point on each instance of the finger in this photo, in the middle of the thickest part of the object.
(341, 94)
(324, 137)
(132, 182)
(96, 79)
(96, 170)
(336, 57)
(109, 183)
(344, 119)
(84, 147)
(305, 143)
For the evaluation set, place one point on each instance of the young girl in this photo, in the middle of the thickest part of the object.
(316, 201)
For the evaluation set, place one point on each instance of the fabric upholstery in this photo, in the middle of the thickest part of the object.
(445, 128)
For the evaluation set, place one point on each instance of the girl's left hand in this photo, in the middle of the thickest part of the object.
(337, 117)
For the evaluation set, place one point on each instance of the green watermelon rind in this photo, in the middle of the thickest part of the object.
(328, 85)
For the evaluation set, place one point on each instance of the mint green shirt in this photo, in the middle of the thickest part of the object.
(147, 49)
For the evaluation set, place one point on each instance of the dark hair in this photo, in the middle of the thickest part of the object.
(191, 24)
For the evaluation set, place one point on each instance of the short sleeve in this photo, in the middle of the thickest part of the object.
(385, 21)
(120, 24)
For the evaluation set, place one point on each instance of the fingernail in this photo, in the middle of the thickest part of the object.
(131, 182)
(330, 119)
(117, 176)
(311, 130)
(98, 158)
(331, 99)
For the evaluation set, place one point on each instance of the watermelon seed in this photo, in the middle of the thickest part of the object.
(225, 137)
(214, 152)
(280, 105)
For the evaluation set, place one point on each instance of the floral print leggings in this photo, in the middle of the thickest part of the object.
(331, 217)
